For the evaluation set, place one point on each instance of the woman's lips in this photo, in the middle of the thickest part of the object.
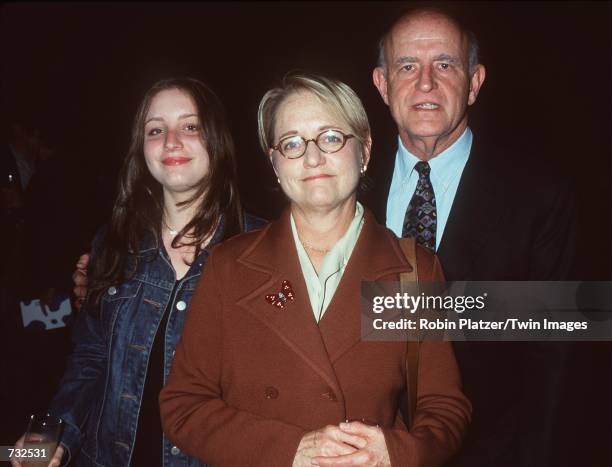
(175, 160)
(316, 177)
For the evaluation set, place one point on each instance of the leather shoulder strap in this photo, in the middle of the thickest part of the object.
(408, 247)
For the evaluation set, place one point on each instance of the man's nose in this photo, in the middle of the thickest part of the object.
(313, 157)
(426, 79)
(173, 140)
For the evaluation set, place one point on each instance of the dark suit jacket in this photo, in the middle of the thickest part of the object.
(510, 220)
(249, 380)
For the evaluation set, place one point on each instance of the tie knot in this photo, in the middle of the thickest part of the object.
(422, 168)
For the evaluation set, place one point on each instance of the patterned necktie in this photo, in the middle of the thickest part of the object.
(420, 219)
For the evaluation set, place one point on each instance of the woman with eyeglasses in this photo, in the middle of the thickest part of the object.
(271, 369)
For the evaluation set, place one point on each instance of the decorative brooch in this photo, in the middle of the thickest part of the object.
(280, 299)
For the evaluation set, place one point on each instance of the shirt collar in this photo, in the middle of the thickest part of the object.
(444, 167)
(340, 253)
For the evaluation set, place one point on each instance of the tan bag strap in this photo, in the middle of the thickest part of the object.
(408, 246)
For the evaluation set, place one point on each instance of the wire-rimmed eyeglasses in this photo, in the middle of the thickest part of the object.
(328, 141)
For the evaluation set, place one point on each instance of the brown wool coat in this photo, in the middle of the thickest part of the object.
(249, 380)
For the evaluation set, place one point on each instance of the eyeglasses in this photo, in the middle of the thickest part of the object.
(328, 141)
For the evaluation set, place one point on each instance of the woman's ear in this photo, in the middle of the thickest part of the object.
(271, 159)
(366, 151)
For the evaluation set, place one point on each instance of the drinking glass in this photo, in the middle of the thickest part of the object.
(41, 439)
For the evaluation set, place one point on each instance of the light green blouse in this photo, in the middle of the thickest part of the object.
(321, 287)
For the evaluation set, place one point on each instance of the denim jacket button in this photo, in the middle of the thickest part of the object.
(112, 290)
(181, 305)
(175, 451)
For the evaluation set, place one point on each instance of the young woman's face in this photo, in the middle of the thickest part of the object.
(174, 149)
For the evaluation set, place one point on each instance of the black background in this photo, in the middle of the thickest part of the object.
(78, 72)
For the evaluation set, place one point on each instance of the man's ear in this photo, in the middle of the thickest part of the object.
(476, 81)
(380, 81)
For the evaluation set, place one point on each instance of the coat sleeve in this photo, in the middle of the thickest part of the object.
(552, 258)
(82, 380)
(84, 375)
(552, 255)
(443, 412)
(194, 414)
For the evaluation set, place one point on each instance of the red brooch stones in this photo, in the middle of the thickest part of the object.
(280, 299)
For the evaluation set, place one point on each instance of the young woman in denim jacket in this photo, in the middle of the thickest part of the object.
(177, 198)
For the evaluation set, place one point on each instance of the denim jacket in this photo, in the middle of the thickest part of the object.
(100, 393)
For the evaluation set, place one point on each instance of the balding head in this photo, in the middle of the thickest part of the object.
(429, 77)
(425, 13)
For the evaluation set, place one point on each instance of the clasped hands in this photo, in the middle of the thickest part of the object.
(348, 444)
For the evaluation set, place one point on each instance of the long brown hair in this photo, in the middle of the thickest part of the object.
(138, 208)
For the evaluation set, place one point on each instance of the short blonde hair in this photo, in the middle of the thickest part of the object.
(340, 98)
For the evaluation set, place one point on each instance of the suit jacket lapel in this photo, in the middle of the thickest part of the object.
(273, 258)
(474, 214)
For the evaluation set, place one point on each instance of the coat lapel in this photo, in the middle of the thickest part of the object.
(273, 257)
(474, 214)
(376, 256)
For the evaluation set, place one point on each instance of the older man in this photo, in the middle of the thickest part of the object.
(489, 214)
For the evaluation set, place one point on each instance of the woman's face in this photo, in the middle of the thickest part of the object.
(316, 180)
(173, 147)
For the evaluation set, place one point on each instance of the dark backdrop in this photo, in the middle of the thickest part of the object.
(78, 71)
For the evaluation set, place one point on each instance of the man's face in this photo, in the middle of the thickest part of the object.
(427, 84)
